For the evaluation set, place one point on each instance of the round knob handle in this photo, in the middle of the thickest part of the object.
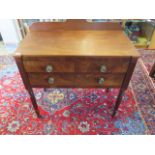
(101, 81)
(49, 68)
(51, 80)
(103, 69)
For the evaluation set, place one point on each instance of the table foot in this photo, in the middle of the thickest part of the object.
(34, 103)
(118, 101)
(107, 90)
(45, 89)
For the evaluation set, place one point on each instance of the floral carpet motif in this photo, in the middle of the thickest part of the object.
(73, 111)
(148, 59)
(144, 92)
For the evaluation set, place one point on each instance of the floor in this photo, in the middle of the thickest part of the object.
(77, 111)
(3, 50)
(6, 49)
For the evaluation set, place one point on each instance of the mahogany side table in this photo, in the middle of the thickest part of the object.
(76, 54)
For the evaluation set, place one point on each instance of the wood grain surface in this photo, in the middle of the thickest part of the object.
(77, 64)
(79, 42)
(75, 80)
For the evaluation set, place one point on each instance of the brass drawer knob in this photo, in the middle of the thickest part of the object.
(51, 80)
(103, 69)
(101, 81)
(49, 68)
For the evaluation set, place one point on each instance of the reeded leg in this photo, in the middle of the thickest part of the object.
(34, 103)
(118, 101)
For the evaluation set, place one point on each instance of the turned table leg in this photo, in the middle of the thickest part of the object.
(118, 101)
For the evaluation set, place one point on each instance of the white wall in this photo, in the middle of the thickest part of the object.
(10, 31)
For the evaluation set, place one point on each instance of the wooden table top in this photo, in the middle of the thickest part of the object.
(88, 42)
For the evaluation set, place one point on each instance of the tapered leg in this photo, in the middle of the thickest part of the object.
(118, 101)
(26, 82)
(34, 103)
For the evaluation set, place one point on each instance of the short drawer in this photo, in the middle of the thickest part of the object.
(51, 80)
(103, 65)
(49, 65)
(75, 80)
(107, 80)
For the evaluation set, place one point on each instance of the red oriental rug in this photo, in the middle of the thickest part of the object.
(75, 111)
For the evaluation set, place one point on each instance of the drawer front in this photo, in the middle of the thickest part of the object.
(77, 65)
(77, 81)
(108, 80)
(103, 65)
(51, 66)
(44, 80)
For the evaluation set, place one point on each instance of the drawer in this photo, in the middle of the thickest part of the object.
(107, 80)
(103, 65)
(55, 65)
(46, 80)
(77, 65)
(73, 80)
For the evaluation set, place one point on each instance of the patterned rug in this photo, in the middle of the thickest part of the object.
(148, 59)
(144, 88)
(75, 111)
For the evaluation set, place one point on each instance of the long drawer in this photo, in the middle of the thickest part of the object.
(77, 65)
(75, 80)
